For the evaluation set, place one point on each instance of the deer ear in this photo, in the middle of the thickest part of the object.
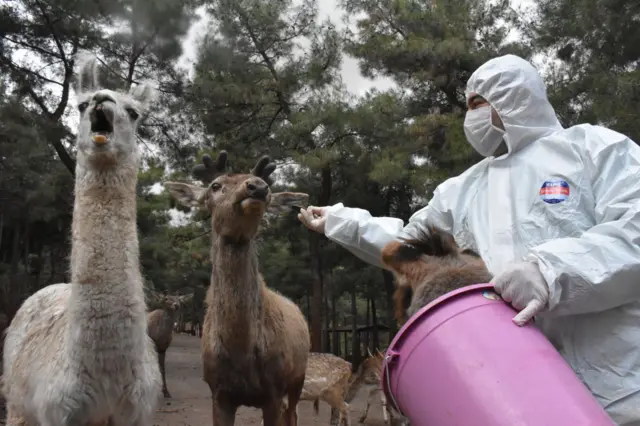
(185, 194)
(282, 201)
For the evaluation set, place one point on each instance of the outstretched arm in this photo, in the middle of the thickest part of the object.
(600, 269)
(365, 236)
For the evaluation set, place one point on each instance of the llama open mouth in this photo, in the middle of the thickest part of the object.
(101, 126)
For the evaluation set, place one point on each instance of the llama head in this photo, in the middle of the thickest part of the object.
(108, 119)
(237, 202)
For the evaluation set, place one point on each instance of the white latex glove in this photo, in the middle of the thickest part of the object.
(522, 285)
(314, 218)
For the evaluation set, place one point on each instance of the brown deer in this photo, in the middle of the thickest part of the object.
(160, 323)
(255, 341)
(429, 266)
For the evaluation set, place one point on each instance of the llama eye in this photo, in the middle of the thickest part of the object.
(132, 113)
(83, 106)
(215, 187)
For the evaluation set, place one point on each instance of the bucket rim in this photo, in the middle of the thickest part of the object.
(440, 300)
(390, 353)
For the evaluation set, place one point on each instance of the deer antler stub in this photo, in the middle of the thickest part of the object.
(208, 170)
(263, 169)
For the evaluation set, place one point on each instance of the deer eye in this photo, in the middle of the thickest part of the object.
(215, 187)
(83, 106)
(133, 113)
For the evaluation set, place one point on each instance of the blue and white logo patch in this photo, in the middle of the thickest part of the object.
(555, 191)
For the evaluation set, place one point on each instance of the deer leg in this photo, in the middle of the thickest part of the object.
(293, 397)
(165, 391)
(272, 413)
(366, 408)
(224, 414)
(386, 415)
(335, 417)
(337, 403)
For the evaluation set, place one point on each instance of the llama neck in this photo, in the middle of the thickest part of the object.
(104, 247)
(235, 298)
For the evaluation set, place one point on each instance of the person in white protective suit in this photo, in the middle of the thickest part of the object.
(554, 213)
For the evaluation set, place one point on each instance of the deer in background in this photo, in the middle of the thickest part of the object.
(429, 266)
(368, 377)
(160, 324)
(255, 342)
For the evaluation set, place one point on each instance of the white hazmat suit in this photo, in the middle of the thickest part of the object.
(568, 199)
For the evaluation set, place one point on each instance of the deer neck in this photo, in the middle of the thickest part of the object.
(235, 298)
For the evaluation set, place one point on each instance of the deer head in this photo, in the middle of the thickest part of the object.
(431, 259)
(237, 202)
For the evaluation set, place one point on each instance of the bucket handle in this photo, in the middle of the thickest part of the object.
(389, 358)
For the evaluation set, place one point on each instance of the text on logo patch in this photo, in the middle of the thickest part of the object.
(555, 191)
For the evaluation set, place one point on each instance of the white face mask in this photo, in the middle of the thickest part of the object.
(481, 133)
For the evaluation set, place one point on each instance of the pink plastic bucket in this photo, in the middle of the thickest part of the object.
(461, 361)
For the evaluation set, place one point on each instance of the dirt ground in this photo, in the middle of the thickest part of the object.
(190, 404)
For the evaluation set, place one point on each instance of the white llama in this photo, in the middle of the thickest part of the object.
(78, 354)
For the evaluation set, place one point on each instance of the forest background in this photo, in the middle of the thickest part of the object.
(359, 101)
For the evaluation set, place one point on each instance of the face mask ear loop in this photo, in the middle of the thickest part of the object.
(491, 110)
(503, 131)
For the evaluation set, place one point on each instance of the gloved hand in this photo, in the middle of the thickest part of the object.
(522, 285)
(314, 218)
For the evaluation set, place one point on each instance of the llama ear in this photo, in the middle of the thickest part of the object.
(145, 94)
(282, 201)
(185, 194)
(86, 69)
(369, 351)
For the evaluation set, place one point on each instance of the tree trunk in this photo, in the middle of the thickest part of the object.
(389, 288)
(316, 264)
(326, 342)
(367, 339)
(375, 343)
(316, 298)
(355, 337)
(336, 344)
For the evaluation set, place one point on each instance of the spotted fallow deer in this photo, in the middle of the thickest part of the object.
(327, 379)
(255, 342)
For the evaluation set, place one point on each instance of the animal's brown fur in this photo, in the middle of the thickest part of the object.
(428, 267)
(160, 324)
(255, 341)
